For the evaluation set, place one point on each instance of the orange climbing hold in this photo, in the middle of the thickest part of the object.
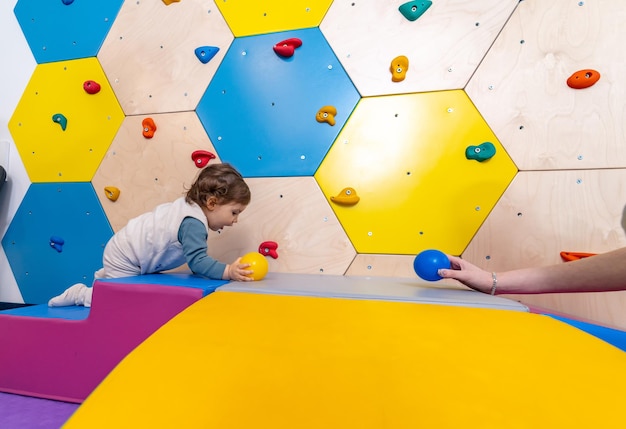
(574, 256)
(112, 193)
(583, 79)
(346, 197)
(149, 127)
(399, 67)
(169, 2)
(326, 114)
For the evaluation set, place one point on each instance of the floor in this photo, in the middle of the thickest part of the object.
(23, 412)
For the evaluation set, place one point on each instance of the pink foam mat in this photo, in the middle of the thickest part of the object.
(65, 359)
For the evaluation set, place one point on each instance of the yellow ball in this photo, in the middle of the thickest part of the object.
(258, 264)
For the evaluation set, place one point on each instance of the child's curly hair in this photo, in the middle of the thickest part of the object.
(221, 181)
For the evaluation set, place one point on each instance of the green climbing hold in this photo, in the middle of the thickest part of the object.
(60, 119)
(480, 153)
(414, 9)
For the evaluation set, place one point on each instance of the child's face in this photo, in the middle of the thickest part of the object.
(220, 215)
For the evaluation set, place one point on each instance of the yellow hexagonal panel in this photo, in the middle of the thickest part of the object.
(249, 17)
(404, 157)
(61, 130)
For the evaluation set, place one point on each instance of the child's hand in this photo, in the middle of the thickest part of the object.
(238, 272)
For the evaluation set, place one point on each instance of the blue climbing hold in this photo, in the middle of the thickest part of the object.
(414, 9)
(67, 2)
(205, 53)
(480, 153)
(57, 243)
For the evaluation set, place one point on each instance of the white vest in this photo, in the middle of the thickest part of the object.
(151, 240)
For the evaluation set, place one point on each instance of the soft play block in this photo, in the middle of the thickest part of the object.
(610, 335)
(248, 360)
(377, 288)
(65, 358)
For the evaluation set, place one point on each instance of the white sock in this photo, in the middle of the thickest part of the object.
(78, 294)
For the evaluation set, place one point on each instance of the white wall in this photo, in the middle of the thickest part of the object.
(16, 68)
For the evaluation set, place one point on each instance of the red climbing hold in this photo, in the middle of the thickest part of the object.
(268, 248)
(202, 157)
(287, 47)
(91, 87)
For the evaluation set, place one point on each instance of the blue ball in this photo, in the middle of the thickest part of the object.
(428, 262)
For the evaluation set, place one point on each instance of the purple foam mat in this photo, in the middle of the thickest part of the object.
(24, 412)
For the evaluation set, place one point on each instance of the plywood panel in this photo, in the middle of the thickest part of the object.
(520, 87)
(444, 46)
(149, 172)
(149, 54)
(546, 212)
(293, 213)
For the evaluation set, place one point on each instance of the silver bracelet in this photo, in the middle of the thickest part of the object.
(494, 285)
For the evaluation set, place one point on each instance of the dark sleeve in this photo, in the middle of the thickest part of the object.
(193, 236)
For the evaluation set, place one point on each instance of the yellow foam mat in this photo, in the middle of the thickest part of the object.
(239, 360)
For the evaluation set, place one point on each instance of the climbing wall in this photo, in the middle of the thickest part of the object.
(367, 131)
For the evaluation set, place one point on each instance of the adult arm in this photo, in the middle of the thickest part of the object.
(599, 273)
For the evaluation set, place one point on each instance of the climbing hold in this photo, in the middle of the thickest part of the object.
(57, 243)
(67, 2)
(346, 197)
(91, 87)
(583, 79)
(205, 53)
(60, 119)
(326, 114)
(414, 9)
(480, 153)
(573, 256)
(202, 157)
(268, 248)
(112, 193)
(399, 67)
(149, 127)
(169, 2)
(287, 47)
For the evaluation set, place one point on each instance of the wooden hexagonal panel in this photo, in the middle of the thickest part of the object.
(292, 213)
(149, 171)
(161, 58)
(521, 86)
(399, 177)
(443, 47)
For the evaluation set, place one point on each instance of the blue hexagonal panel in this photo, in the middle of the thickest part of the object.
(56, 239)
(62, 30)
(277, 103)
